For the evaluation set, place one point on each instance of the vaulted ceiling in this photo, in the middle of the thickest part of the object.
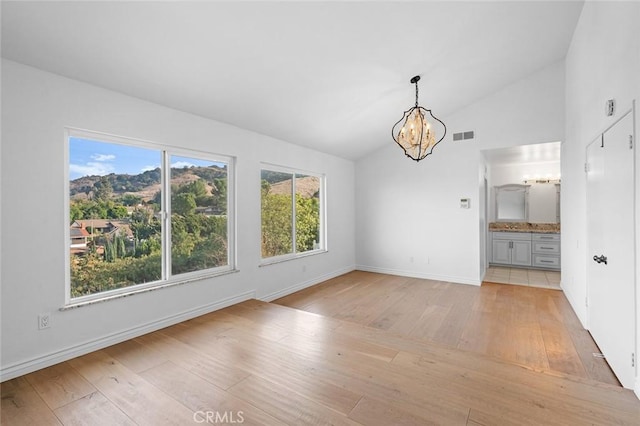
(333, 76)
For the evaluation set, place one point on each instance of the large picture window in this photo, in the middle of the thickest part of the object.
(144, 215)
(292, 213)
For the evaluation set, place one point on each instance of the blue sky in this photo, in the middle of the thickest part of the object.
(88, 158)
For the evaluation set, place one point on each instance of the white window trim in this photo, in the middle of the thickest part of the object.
(167, 280)
(142, 288)
(266, 261)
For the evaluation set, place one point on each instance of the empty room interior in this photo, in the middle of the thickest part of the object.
(347, 213)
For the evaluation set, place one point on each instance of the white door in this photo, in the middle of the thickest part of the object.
(610, 232)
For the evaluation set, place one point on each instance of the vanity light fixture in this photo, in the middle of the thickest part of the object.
(416, 135)
(541, 180)
(537, 178)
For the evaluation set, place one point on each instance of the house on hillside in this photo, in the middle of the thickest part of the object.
(83, 232)
(104, 227)
(94, 226)
(79, 240)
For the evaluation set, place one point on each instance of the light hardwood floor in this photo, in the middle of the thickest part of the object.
(530, 326)
(267, 364)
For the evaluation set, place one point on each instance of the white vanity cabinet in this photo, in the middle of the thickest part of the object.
(537, 250)
(546, 251)
(511, 248)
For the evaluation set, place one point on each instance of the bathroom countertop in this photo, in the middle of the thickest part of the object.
(541, 228)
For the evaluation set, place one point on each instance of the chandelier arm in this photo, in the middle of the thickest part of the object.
(422, 120)
(404, 117)
(443, 125)
(393, 133)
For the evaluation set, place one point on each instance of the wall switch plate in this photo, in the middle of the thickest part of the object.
(610, 108)
(465, 203)
(44, 321)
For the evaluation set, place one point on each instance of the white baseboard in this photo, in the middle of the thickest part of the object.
(413, 274)
(301, 286)
(24, 367)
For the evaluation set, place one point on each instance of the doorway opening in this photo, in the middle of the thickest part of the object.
(522, 238)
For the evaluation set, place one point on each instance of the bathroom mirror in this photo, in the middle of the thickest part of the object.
(512, 203)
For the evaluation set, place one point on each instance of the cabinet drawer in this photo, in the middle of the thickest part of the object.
(543, 261)
(545, 237)
(550, 248)
(511, 236)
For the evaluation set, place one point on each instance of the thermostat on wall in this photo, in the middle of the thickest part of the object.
(465, 203)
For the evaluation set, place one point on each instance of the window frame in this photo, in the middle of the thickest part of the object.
(167, 279)
(322, 233)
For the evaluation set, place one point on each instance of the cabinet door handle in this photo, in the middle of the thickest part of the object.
(546, 248)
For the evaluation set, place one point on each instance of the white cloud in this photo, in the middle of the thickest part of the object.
(181, 164)
(148, 168)
(103, 157)
(91, 169)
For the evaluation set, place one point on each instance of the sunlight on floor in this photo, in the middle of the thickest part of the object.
(526, 277)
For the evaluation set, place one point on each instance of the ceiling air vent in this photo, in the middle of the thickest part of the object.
(463, 135)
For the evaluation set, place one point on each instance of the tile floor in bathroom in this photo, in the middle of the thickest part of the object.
(526, 277)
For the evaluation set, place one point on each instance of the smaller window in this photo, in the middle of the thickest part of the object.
(292, 213)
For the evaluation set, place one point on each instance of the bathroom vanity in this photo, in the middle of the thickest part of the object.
(532, 245)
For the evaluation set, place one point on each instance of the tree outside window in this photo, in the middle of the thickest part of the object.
(291, 212)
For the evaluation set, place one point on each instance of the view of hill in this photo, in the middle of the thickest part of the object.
(146, 184)
(115, 242)
(307, 187)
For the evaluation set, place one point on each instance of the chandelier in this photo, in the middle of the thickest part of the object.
(416, 136)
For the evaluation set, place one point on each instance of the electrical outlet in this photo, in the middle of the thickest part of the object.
(44, 321)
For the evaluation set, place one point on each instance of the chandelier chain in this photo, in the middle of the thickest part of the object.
(416, 93)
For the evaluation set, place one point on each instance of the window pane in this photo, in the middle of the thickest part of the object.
(115, 232)
(198, 214)
(277, 213)
(307, 213)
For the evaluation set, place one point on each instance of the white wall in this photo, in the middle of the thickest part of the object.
(542, 196)
(35, 108)
(483, 216)
(408, 217)
(603, 62)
